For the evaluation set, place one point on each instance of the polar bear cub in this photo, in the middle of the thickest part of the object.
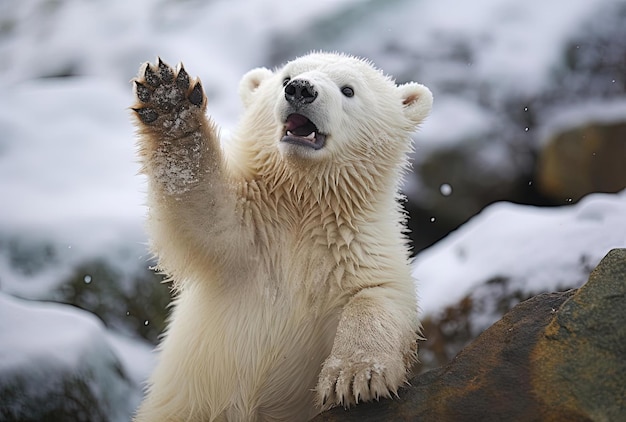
(286, 249)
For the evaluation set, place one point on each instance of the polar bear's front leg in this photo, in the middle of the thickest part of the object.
(191, 201)
(375, 345)
(177, 142)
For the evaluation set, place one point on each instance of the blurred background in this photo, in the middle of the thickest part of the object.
(516, 183)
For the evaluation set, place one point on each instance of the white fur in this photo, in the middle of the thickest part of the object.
(291, 268)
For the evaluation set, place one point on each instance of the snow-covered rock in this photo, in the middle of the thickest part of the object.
(57, 363)
(506, 254)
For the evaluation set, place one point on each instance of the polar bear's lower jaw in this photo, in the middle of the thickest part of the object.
(300, 130)
(316, 141)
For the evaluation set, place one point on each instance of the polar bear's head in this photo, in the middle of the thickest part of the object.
(330, 107)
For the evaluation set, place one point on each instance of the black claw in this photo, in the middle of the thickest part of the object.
(196, 95)
(182, 79)
(151, 77)
(165, 72)
(147, 115)
(143, 93)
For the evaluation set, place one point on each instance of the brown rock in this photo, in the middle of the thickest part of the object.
(579, 161)
(458, 324)
(555, 357)
(579, 365)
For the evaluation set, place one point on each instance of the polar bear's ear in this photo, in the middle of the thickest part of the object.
(417, 101)
(250, 82)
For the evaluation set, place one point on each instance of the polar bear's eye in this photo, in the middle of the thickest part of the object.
(286, 81)
(347, 91)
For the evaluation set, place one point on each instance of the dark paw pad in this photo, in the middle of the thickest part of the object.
(150, 77)
(182, 79)
(196, 95)
(147, 115)
(165, 72)
(143, 92)
(163, 93)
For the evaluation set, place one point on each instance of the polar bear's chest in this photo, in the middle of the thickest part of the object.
(265, 345)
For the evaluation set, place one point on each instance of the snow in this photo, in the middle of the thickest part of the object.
(606, 112)
(67, 153)
(41, 332)
(69, 185)
(470, 121)
(541, 249)
(137, 357)
(64, 341)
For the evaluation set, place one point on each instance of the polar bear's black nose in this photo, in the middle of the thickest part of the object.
(300, 92)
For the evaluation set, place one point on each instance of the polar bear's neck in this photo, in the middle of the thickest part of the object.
(352, 189)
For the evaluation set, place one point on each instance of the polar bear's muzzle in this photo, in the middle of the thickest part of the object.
(300, 95)
(299, 130)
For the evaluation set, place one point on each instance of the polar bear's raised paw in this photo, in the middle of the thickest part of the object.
(168, 99)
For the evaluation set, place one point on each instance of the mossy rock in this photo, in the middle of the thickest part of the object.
(134, 303)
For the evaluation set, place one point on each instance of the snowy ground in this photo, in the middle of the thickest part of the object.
(540, 249)
(69, 187)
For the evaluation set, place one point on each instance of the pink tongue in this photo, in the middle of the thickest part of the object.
(296, 120)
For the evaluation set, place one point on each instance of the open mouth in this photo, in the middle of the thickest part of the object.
(300, 130)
